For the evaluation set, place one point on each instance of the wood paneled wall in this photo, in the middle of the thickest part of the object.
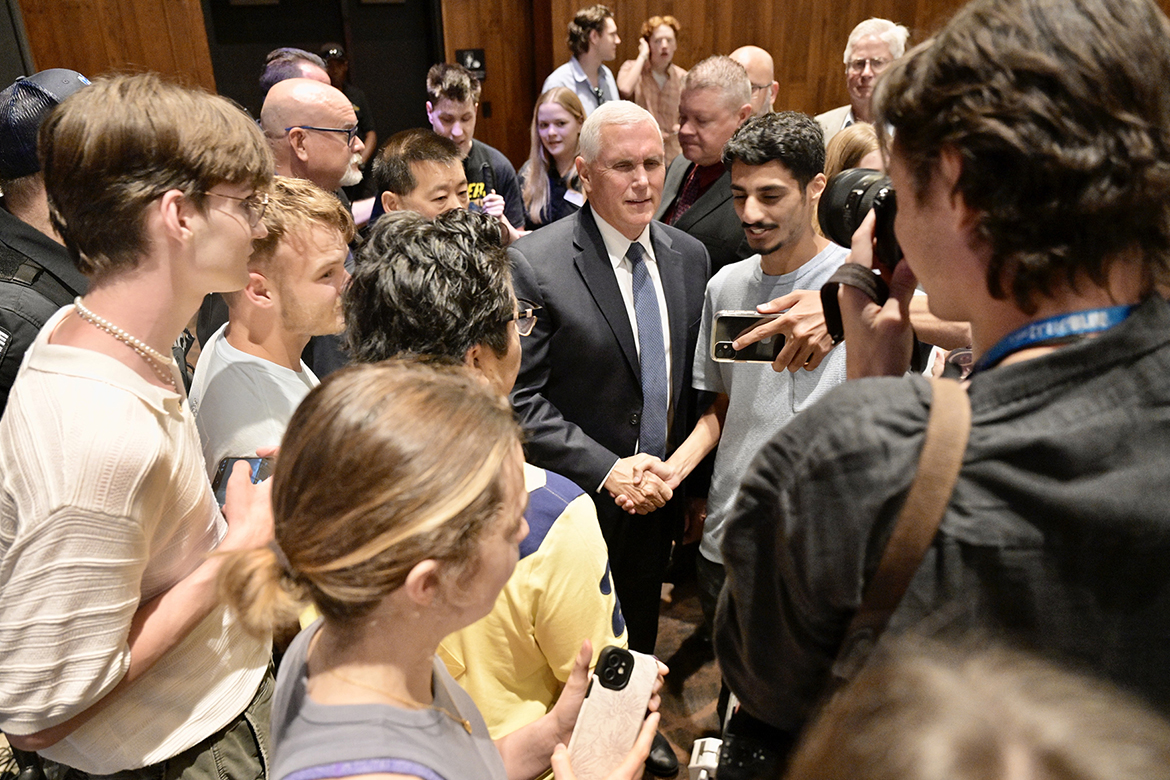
(522, 40)
(805, 37)
(98, 36)
(504, 29)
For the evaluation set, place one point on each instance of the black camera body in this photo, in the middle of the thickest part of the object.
(847, 198)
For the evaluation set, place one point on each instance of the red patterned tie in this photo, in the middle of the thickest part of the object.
(687, 195)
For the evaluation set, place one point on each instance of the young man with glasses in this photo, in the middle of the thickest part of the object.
(250, 377)
(872, 46)
(117, 656)
(313, 131)
(443, 288)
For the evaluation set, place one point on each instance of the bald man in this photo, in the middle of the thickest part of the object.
(291, 63)
(760, 69)
(312, 129)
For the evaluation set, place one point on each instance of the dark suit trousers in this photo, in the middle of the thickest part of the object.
(639, 550)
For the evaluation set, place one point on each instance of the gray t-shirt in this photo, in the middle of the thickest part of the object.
(314, 741)
(762, 401)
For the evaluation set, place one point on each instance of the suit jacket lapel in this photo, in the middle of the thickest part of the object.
(670, 269)
(592, 261)
(674, 179)
(715, 196)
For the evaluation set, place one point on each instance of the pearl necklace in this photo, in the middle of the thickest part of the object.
(158, 362)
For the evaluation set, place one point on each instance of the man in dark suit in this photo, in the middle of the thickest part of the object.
(696, 198)
(605, 376)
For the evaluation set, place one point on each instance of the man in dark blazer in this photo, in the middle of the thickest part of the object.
(696, 198)
(595, 396)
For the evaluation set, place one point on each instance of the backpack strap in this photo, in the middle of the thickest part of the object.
(947, 431)
(16, 268)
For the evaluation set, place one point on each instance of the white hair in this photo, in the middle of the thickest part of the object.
(893, 35)
(612, 112)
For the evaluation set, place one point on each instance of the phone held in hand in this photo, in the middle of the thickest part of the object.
(611, 716)
(730, 325)
(261, 470)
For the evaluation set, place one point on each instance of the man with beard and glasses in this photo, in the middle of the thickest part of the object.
(312, 129)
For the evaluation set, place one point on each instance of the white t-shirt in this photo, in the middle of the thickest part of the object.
(103, 506)
(242, 402)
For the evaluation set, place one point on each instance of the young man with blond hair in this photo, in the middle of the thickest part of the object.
(250, 377)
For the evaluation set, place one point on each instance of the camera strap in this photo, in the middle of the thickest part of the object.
(854, 275)
(945, 442)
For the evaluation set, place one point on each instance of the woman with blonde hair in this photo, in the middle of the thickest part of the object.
(548, 180)
(399, 506)
(653, 81)
(854, 147)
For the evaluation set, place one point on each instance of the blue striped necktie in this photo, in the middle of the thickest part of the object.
(651, 357)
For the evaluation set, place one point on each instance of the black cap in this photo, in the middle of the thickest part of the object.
(23, 106)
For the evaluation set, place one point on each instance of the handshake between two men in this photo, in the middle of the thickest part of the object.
(643, 483)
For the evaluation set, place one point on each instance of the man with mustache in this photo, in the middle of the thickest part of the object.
(312, 129)
(776, 165)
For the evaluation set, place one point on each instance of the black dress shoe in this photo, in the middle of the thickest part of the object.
(662, 761)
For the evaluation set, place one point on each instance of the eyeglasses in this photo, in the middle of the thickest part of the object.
(254, 205)
(350, 133)
(876, 64)
(758, 87)
(525, 317)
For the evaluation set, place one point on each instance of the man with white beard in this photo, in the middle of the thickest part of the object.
(312, 130)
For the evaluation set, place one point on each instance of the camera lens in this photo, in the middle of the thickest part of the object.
(848, 197)
(609, 675)
(724, 350)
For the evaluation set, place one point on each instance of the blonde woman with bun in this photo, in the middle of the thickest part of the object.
(399, 506)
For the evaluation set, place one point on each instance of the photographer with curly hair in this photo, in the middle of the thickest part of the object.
(1031, 160)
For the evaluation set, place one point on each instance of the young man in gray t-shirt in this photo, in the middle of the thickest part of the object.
(777, 164)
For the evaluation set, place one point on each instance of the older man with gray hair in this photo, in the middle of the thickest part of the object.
(872, 46)
(696, 197)
(605, 375)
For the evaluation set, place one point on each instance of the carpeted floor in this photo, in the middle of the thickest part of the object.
(692, 687)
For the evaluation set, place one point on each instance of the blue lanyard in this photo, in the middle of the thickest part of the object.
(1062, 327)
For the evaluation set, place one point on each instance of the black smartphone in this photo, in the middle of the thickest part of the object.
(730, 325)
(261, 470)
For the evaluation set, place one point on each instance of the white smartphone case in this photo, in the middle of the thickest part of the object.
(609, 722)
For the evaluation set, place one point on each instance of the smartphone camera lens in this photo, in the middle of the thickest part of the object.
(724, 350)
(609, 675)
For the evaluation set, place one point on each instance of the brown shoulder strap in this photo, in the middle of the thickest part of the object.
(938, 469)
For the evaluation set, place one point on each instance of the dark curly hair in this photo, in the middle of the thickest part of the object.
(585, 22)
(429, 288)
(793, 139)
(1060, 112)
